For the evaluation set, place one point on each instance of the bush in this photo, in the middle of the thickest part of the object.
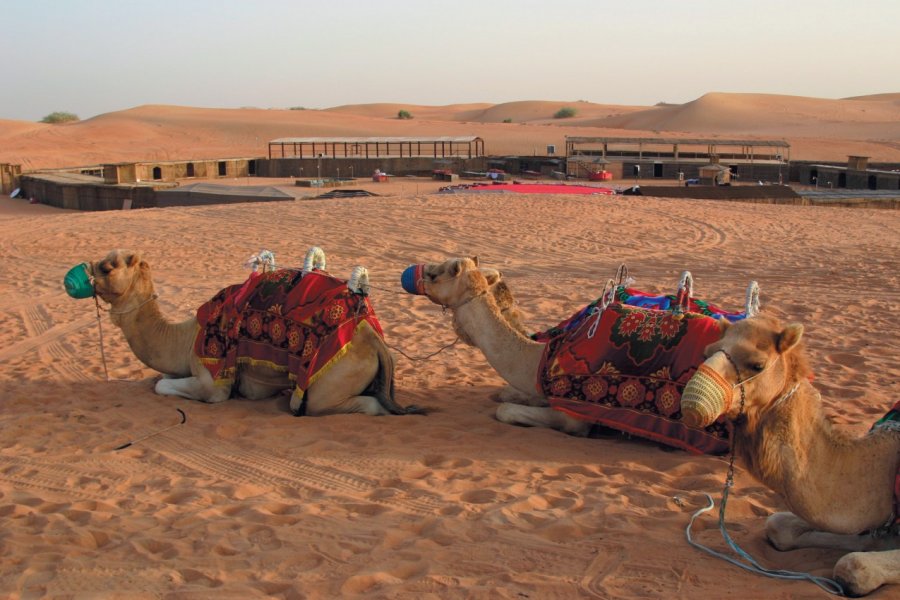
(297, 108)
(60, 117)
(507, 120)
(404, 114)
(566, 112)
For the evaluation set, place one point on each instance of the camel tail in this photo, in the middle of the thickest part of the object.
(382, 387)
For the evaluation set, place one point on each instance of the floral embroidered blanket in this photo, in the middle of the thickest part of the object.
(892, 421)
(625, 367)
(634, 297)
(291, 322)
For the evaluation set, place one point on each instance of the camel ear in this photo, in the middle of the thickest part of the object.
(144, 266)
(455, 268)
(492, 275)
(132, 259)
(475, 260)
(790, 337)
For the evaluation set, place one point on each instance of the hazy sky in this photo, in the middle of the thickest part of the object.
(95, 56)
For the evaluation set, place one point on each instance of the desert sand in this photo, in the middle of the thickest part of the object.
(244, 500)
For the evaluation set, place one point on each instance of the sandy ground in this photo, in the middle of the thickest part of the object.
(245, 500)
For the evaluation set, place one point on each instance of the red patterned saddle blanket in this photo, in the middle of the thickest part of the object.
(289, 321)
(625, 367)
(891, 421)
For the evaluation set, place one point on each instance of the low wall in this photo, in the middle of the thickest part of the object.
(63, 192)
(723, 192)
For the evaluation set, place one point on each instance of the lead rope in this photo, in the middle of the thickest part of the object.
(829, 585)
(100, 329)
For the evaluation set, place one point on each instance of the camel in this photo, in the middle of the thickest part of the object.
(467, 290)
(358, 381)
(471, 294)
(834, 484)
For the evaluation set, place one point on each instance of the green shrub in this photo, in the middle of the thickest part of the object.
(297, 108)
(60, 117)
(566, 112)
(507, 120)
(404, 114)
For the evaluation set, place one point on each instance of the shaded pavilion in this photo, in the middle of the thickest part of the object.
(377, 147)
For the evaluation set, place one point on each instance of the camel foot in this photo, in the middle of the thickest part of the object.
(853, 573)
(783, 529)
(510, 394)
(540, 416)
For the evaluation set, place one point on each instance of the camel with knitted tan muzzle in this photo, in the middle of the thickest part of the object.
(842, 490)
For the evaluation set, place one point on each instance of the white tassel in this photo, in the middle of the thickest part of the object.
(752, 305)
(315, 259)
(359, 281)
(265, 259)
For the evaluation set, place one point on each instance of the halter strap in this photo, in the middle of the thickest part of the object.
(464, 302)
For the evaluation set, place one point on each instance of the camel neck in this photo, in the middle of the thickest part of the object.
(152, 337)
(827, 477)
(515, 357)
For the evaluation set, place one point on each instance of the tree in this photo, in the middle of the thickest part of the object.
(60, 117)
(404, 114)
(566, 112)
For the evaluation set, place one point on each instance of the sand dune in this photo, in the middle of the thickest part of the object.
(818, 129)
(770, 115)
(246, 501)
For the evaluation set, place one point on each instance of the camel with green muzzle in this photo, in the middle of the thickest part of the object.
(357, 379)
(840, 489)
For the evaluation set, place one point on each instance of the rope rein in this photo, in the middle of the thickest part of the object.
(829, 585)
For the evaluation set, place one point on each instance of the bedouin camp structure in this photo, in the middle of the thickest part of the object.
(677, 158)
(856, 174)
(361, 156)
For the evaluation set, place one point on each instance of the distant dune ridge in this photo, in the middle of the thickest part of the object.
(816, 128)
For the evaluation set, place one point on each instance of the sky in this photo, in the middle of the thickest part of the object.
(90, 57)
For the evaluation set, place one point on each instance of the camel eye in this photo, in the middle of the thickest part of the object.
(758, 367)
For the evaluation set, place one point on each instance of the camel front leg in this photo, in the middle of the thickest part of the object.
(193, 388)
(862, 572)
(787, 531)
(515, 396)
(541, 416)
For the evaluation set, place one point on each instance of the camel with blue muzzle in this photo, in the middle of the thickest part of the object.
(842, 490)
(333, 357)
(592, 369)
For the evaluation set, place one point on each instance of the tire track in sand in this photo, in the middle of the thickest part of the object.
(240, 466)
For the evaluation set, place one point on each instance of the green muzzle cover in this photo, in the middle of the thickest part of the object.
(78, 281)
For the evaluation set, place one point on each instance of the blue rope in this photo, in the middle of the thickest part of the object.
(829, 585)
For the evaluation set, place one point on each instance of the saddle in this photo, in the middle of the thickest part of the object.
(623, 361)
(298, 322)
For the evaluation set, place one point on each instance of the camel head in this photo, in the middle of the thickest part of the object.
(121, 276)
(757, 354)
(453, 282)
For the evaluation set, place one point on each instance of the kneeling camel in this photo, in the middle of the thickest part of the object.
(841, 490)
(357, 379)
